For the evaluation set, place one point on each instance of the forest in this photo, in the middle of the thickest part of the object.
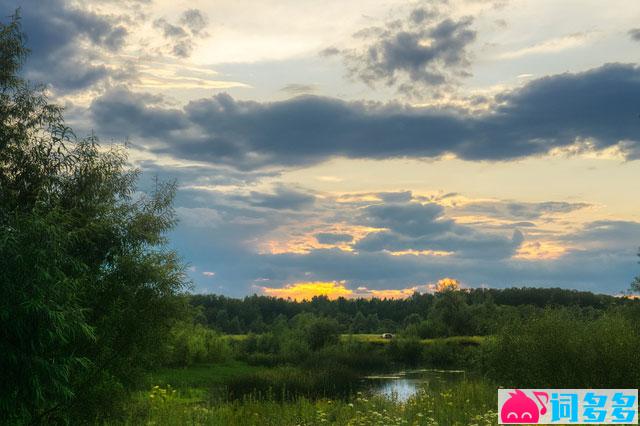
(99, 325)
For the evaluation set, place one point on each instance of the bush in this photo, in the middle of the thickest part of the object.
(322, 332)
(561, 348)
(194, 343)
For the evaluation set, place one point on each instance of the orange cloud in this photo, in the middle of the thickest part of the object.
(303, 240)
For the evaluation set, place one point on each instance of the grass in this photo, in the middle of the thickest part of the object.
(236, 379)
(378, 339)
(468, 402)
(236, 393)
(202, 376)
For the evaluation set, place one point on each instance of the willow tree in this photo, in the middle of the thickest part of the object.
(87, 285)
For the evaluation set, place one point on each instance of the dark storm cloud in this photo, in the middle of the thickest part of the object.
(426, 49)
(192, 24)
(519, 210)
(333, 238)
(600, 105)
(65, 41)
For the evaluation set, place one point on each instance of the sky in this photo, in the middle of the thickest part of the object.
(367, 148)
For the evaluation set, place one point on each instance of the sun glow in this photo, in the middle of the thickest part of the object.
(306, 290)
(334, 289)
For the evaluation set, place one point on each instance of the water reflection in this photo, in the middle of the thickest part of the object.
(404, 384)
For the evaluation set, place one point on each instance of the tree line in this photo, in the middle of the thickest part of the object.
(445, 313)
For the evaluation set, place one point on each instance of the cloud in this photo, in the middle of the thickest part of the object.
(553, 45)
(299, 89)
(282, 199)
(607, 234)
(515, 210)
(596, 108)
(330, 51)
(121, 112)
(634, 34)
(411, 219)
(427, 50)
(222, 231)
(333, 238)
(463, 241)
(195, 20)
(67, 43)
(181, 36)
(423, 227)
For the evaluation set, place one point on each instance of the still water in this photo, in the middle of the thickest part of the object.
(404, 384)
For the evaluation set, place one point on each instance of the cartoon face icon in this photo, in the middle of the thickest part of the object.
(519, 408)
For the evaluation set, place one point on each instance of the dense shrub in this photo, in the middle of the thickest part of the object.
(564, 348)
(322, 332)
(190, 343)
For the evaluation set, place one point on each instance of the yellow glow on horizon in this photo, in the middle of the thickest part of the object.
(393, 294)
(306, 290)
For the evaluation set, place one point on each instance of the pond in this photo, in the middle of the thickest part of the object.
(405, 384)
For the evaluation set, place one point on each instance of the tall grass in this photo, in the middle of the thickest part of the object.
(288, 383)
(468, 402)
